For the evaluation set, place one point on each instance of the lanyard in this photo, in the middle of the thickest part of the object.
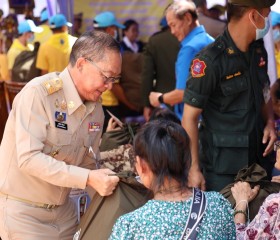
(197, 210)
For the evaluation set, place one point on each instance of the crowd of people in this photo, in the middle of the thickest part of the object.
(200, 93)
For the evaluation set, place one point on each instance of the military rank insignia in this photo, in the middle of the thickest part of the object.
(60, 116)
(53, 85)
(94, 127)
(230, 51)
(198, 68)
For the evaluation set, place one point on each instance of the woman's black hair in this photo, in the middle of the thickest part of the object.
(164, 114)
(128, 23)
(165, 147)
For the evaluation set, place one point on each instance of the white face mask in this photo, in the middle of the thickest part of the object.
(115, 34)
(31, 39)
(260, 33)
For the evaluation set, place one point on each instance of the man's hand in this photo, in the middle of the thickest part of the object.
(101, 182)
(154, 99)
(196, 178)
(112, 125)
(269, 136)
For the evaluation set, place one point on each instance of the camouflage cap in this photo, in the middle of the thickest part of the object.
(253, 3)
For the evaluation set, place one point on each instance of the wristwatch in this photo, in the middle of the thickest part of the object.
(160, 98)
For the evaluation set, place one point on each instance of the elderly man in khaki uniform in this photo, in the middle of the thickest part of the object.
(51, 141)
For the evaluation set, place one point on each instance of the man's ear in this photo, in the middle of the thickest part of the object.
(189, 18)
(80, 63)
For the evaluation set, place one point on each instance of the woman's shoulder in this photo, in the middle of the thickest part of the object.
(216, 199)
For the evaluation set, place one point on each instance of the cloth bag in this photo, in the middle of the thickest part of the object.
(113, 139)
(100, 217)
(254, 175)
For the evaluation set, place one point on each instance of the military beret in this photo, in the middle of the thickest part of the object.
(253, 3)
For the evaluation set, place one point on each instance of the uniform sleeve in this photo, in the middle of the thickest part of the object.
(148, 72)
(265, 224)
(201, 83)
(183, 62)
(31, 133)
(42, 61)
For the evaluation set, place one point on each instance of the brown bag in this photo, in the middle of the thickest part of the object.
(100, 217)
(254, 175)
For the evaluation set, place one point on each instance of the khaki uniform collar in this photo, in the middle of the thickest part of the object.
(71, 94)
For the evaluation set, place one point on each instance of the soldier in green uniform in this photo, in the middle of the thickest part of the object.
(229, 87)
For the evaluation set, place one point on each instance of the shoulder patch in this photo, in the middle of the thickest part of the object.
(53, 85)
(198, 68)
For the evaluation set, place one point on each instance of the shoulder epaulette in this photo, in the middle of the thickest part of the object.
(212, 51)
(52, 85)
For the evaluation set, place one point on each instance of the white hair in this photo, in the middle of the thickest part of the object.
(180, 7)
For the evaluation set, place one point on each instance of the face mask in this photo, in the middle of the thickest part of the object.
(115, 34)
(31, 39)
(276, 35)
(260, 33)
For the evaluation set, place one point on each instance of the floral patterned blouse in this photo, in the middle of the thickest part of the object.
(266, 224)
(166, 220)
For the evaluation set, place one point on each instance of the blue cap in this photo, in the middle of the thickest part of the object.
(59, 20)
(106, 19)
(163, 22)
(275, 18)
(28, 26)
(44, 15)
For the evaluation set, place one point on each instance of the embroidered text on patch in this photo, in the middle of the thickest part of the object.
(198, 68)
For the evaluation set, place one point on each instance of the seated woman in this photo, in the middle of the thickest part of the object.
(162, 161)
(266, 224)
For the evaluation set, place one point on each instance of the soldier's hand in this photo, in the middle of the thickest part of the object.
(269, 137)
(102, 182)
(196, 179)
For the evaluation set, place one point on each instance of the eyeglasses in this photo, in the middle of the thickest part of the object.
(107, 80)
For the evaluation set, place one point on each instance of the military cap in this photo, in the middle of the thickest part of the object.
(253, 3)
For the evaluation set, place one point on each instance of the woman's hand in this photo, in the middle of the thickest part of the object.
(243, 191)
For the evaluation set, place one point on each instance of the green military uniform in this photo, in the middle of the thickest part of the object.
(228, 85)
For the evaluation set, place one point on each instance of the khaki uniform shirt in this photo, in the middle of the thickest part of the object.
(48, 140)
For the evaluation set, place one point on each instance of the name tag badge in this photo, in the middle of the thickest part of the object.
(94, 127)
(61, 125)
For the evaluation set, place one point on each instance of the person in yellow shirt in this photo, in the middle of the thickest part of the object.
(275, 21)
(44, 24)
(26, 30)
(53, 55)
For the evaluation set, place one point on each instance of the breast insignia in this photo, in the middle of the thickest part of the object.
(53, 85)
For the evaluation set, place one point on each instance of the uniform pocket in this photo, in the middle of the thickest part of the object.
(230, 152)
(58, 144)
(235, 93)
